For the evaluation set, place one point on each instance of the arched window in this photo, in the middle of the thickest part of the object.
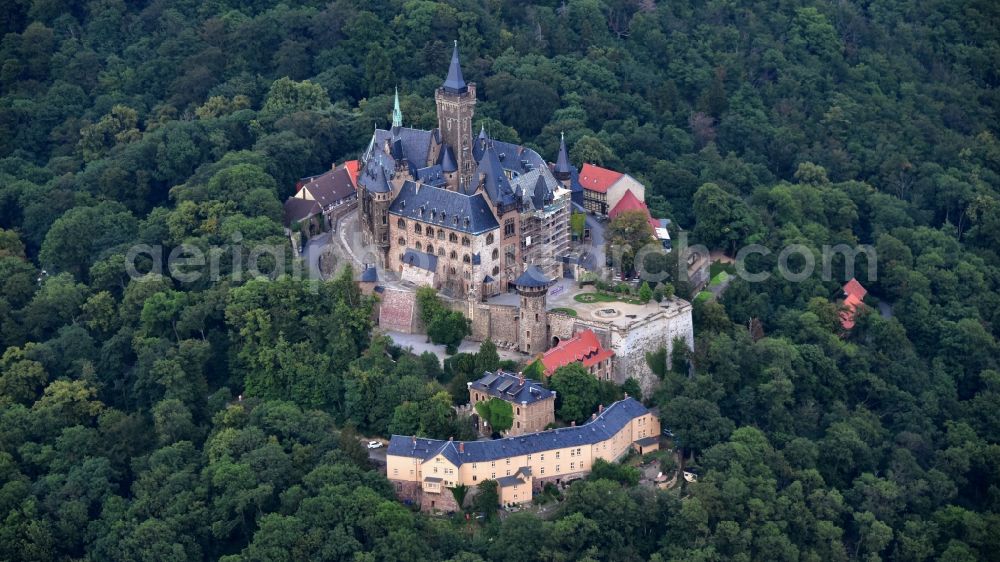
(465, 241)
(489, 238)
(508, 228)
(441, 251)
(416, 227)
(453, 237)
(467, 275)
(430, 232)
(440, 235)
(509, 257)
(401, 223)
(453, 255)
(451, 270)
(496, 254)
(419, 246)
(496, 270)
(402, 241)
(466, 259)
(430, 248)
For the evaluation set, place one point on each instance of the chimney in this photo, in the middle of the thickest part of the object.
(452, 438)
(414, 440)
(600, 408)
(520, 377)
(461, 446)
(626, 395)
(572, 423)
(593, 417)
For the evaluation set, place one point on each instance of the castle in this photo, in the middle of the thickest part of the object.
(466, 215)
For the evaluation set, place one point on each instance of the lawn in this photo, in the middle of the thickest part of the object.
(703, 296)
(719, 279)
(718, 267)
(564, 310)
(604, 297)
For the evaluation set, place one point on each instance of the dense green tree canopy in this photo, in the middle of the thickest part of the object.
(222, 417)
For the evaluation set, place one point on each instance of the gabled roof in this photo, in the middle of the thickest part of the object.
(352, 167)
(541, 195)
(416, 143)
(454, 83)
(583, 347)
(629, 202)
(603, 427)
(596, 178)
(432, 175)
(375, 177)
(511, 388)
(423, 260)
(330, 187)
(495, 182)
(533, 277)
(442, 207)
(369, 275)
(852, 287)
(297, 210)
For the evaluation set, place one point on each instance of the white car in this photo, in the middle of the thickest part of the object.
(374, 444)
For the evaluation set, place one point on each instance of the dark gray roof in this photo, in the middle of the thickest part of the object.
(541, 195)
(296, 210)
(533, 277)
(330, 187)
(414, 144)
(519, 477)
(606, 425)
(447, 159)
(369, 275)
(562, 161)
(441, 207)
(377, 170)
(432, 175)
(495, 182)
(423, 260)
(507, 386)
(647, 441)
(454, 83)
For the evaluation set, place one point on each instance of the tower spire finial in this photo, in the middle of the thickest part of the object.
(455, 84)
(397, 113)
(562, 170)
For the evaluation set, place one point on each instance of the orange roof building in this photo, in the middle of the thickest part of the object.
(854, 294)
(583, 347)
(596, 178)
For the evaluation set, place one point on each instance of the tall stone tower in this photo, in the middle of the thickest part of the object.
(375, 195)
(532, 329)
(456, 102)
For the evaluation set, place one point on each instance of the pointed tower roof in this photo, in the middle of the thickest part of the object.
(397, 114)
(562, 170)
(447, 159)
(533, 278)
(455, 84)
(491, 172)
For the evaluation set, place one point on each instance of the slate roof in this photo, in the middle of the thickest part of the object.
(415, 143)
(377, 171)
(603, 427)
(596, 178)
(432, 175)
(330, 187)
(423, 260)
(583, 347)
(562, 166)
(495, 182)
(296, 210)
(369, 275)
(447, 159)
(454, 83)
(509, 387)
(533, 277)
(441, 207)
(519, 477)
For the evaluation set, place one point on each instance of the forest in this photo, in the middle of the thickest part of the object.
(155, 419)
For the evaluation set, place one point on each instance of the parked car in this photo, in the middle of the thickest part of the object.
(374, 444)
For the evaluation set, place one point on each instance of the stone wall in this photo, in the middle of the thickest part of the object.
(648, 335)
(445, 501)
(497, 322)
(407, 491)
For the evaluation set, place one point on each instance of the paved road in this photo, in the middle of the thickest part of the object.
(594, 259)
(419, 344)
(311, 253)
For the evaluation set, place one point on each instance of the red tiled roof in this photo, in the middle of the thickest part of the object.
(851, 304)
(852, 287)
(352, 167)
(596, 178)
(583, 347)
(629, 202)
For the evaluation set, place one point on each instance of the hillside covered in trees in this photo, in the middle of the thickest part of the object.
(156, 419)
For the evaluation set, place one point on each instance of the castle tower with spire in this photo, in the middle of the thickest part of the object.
(532, 327)
(397, 113)
(456, 102)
